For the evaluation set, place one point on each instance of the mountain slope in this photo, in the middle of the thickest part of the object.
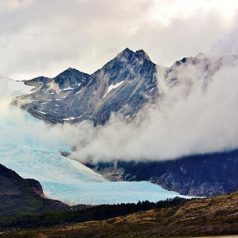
(123, 85)
(198, 175)
(126, 84)
(23, 196)
(211, 216)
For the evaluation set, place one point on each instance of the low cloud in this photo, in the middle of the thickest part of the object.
(196, 115)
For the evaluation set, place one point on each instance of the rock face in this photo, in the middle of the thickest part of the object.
(123, 85)
(23, 196)
(36, 186)
(199, 175)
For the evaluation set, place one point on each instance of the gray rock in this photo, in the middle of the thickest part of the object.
(122, 86)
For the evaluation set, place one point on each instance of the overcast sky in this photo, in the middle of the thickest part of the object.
(43, 37)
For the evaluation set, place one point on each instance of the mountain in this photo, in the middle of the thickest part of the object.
(23, 196)
(214, 217)
(122, 85)
(126, 84)
(28, 146)
(197, 175)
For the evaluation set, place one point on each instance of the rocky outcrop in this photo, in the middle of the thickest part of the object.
(23, 196)
(36, 186)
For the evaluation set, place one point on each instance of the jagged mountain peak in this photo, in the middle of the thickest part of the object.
(69, 78)
(125, 53)
(122, 85)
(71, 71)
(129, 55)
(127, 65)
(142, 54)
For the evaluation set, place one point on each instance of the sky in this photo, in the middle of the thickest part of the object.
(44, 37)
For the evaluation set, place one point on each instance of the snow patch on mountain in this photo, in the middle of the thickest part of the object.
(111, 87)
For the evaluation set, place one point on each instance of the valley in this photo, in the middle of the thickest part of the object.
(118, 119)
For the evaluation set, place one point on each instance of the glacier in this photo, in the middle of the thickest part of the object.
(95, 193)
(27, 147)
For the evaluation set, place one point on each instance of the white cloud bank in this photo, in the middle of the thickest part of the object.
(197, 115)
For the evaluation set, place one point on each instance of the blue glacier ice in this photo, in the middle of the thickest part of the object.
(108, 192)
(62, 178)
(27, 147)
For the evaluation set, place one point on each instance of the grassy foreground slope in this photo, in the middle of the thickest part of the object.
(210, 216)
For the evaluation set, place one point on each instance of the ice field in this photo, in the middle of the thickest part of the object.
(27, 148)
